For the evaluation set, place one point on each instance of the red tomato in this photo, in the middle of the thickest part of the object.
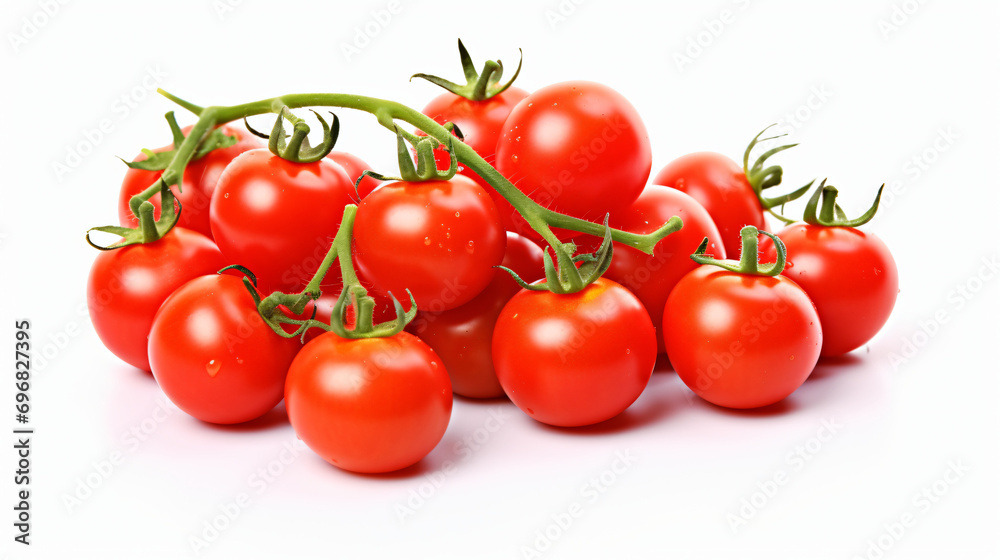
(127, 286)
(850, 276)
(440, 239)
(740, 341)
(355, 166)
(574, 359)
(721, 186)
(212, 354)
(481, 123)
(579, 148)
(200, 178)
(651, 277)
(463, 337)
(369, 405)
(278, 218)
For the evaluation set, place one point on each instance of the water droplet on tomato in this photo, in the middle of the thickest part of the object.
(792, 357)
(427, 241)
(628, 350)
(513, 157)
(447, 235)
(213, 367)
(471, 247)
(530, 104)
(227, 195)
(457, 214)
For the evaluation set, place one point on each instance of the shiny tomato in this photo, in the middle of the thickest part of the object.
(722, 187)
(579, 148)
(463, 337)
(652, 277)
(740, 341)
(439, 239)
(369, 405)
(195, 193)
(127, 286)
(213, 355)
(278, 218)
(355, 166)
(574, 359)
(850, 275)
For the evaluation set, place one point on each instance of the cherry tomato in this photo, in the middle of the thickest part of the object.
(579, 148)
(850, 275)
(721, 186)
(574, 359)
(652, 277)
(127, 286)
(212, 354)
(440, 239)
(369, 405)
(463, 337)
(738, 340)
(200, 179)
(481, 123)
(355, 166)
(278, 218)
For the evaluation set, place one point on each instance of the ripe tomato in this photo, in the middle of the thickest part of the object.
(463, 337)
(355, 166)
(127, 286)
(481, 123)
(574, 359)
(579, 148)
(850, 275)
(439, 239)
(652, 277)
(722, 187)
(369, 405)
(200, 178)
(738, 340)
(212, 354)
(278, 218)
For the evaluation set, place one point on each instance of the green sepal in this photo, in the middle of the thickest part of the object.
(158, 161)
(749, 262)
(830, 214)
(563, 276)
(297, 147)
(149, 229)
(762, 178)
(479, 86)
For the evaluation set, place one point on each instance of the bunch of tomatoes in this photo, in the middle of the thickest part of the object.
(520, 253)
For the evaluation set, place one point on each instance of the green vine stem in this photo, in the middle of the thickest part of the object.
(540, 218)
(749, 262)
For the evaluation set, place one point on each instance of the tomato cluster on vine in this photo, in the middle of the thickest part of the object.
(520, 253)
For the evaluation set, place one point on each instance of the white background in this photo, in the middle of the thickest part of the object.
(863, 99)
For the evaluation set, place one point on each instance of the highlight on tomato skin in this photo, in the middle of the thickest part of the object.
(369, 405)
(574, 359)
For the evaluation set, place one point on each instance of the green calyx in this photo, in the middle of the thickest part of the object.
(563, 276)
(830, 214)
(149, 229)
(297, 148)
(271, 307)
(479, 86)
(426, 167)
(762, 178)
(749, 256)
(158, 161)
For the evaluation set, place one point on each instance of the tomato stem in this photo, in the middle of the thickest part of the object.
(830, 213)
(749, 262)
